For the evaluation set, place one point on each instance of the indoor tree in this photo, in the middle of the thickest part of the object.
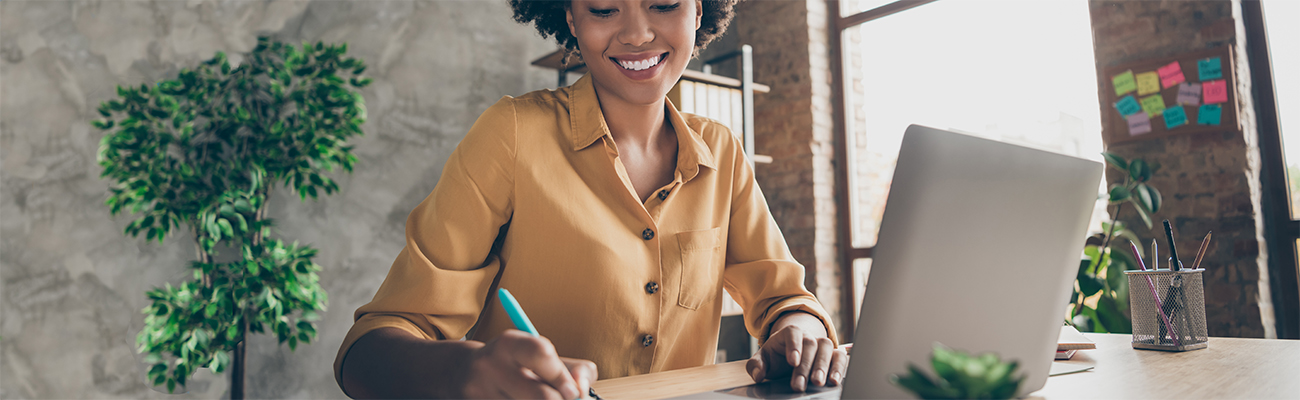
(202, 153)
(1100, 299)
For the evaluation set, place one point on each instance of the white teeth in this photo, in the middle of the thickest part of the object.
(640, 65)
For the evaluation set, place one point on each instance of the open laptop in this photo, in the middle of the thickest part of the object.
(977, 250)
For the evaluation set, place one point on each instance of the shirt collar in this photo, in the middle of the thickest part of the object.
(587, 124)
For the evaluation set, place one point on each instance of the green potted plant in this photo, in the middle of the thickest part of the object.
(203, 152)
(1100, 299)
(959, 375)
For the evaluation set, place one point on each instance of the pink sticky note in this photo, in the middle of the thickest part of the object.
(1215, 91)
(1189, 94)
(1138, 124)
(1171, 75)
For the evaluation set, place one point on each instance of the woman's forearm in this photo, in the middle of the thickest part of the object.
(390, 363)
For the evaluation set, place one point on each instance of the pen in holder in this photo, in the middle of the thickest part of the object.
(1168, 309)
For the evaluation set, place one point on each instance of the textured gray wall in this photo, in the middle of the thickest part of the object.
(73, 284)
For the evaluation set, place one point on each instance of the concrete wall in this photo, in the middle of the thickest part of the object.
(73, 284)
(1209, 181)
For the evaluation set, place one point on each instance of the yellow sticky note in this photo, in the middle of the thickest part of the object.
(1153, 105)
(1148, 83)
(1123, 83)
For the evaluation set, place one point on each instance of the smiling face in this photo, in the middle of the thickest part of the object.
(636, 50)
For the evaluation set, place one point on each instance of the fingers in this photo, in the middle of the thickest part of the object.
(583, 372)
(839, 365)
(822, 365)
(799, 378)
(755, 366)
(793, 339)
(537, 356)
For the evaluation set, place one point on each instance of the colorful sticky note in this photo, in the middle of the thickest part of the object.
(1153, 105)
(1127, 106)
(1148, 83)
(1124, 83)
(1189, 93)
(1171, 75)
(1175, 117)
(1210, 68)
(1138, 124)
(1209, 114)
(1215, 91)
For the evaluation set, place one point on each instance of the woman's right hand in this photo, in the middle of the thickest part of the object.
(517, 365)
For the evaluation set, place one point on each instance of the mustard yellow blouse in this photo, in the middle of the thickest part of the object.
(535, 200)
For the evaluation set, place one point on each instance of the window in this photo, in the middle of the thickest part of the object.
(1022, 72)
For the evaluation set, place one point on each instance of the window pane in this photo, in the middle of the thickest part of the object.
(1004, 76)
(1281, 18)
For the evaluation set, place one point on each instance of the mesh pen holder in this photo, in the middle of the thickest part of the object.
(1168, 309)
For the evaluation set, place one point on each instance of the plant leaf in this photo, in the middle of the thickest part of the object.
(1139, 170)
(1119, 193)
(1116, 160)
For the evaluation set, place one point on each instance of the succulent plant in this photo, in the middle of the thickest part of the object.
(962, 376)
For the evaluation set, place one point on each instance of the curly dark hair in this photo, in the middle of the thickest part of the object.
(548, 17)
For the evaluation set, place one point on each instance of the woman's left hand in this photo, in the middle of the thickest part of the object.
(799, 348)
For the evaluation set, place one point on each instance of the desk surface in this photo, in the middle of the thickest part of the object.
(1228, 368)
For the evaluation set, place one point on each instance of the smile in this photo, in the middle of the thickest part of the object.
(641, 65)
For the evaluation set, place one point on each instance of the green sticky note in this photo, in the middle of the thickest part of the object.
(1124, 83)
(1154, 105)
(1210, 68)
(1175, 117)
(1209, 114)
(1128, 106)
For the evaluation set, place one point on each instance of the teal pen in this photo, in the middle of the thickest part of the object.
(522, 323)
(516, 314)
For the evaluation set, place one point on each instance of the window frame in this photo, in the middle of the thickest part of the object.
(1281, 229)
(847, 252)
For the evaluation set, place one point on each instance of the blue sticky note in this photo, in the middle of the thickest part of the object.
(1128, 106)
(1175, 117)
(1210, 68)
(1209, 114)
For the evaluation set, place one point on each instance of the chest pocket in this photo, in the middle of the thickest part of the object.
(701, 267)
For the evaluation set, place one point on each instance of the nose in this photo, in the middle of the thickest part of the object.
(637, 31)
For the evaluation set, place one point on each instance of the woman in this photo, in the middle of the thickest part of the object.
(615, 221)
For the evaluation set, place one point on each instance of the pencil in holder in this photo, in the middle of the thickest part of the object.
(1168, 309)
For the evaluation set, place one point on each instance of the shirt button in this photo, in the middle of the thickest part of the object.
(647, 234)
(648, 340)
(651, 287)
(663, 194)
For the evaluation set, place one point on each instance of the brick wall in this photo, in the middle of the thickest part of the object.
(1209, 181)
(793, 124)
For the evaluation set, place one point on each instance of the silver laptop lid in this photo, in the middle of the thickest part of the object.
(978, 247)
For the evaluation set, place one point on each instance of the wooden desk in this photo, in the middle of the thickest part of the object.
(1229, 368)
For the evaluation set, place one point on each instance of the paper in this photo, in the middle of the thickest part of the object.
(1189, 94)
(1171, 75)
(1138, 124)
(1175, 117)
(1059, 368)
(1209, 68)
(1128, 106)
(1153, 105)
(1124, 83)
(1215, 91)
(1148, 83)
(1209, 114)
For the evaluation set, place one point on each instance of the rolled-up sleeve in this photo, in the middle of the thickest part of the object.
(761, 274)
(438, 284)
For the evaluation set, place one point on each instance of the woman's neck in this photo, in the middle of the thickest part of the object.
(638, 125)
